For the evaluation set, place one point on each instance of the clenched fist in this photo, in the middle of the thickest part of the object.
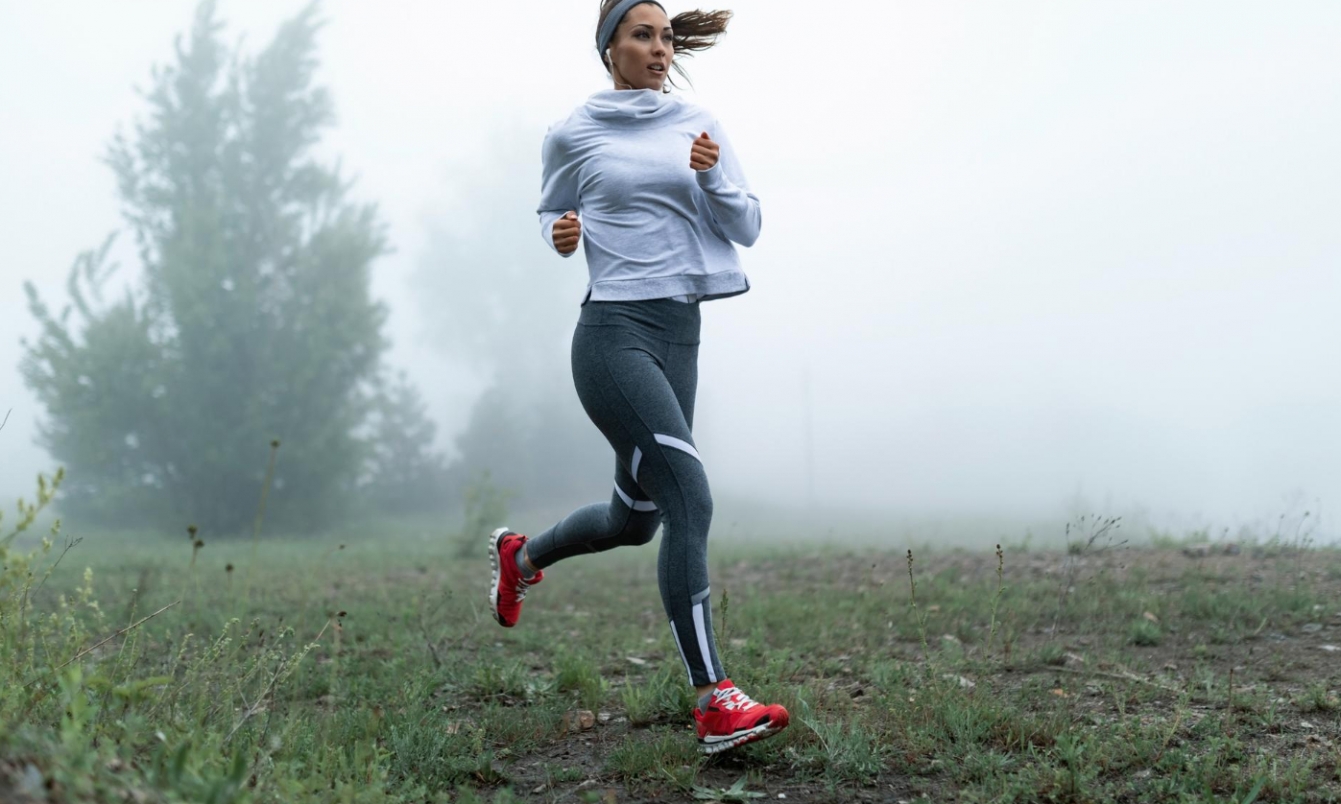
(704, 153)
(567, 231)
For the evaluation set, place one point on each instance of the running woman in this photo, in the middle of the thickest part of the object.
(652, 182)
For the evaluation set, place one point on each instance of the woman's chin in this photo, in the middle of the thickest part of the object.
(653, 84)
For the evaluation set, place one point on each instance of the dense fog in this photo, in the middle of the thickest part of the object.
(1018, 261)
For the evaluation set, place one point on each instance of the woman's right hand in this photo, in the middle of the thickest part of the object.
(567, 231)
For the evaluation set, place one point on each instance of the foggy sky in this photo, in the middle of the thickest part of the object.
(1025, 254)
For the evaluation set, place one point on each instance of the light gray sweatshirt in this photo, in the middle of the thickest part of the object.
(652, 226)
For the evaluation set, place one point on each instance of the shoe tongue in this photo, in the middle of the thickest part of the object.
(728, 691)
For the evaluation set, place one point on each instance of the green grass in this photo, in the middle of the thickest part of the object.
(372, 673)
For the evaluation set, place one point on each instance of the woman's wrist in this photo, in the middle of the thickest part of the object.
(712, 178)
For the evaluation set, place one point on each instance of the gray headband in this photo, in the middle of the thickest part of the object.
(617, 13)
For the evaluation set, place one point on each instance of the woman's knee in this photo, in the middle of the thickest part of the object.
(640, 528)
(698, 498)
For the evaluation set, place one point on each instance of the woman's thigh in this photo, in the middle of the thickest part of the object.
(626, 391)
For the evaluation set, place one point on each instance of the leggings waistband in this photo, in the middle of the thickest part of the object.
(665, 319)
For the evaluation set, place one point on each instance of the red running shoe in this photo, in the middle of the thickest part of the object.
(733, 719)
(508, 589)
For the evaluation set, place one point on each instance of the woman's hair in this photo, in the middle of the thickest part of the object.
(691, 31)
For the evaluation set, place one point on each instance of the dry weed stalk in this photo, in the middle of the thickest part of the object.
(996, 600)
(81, 654)
(920, 617)
(1099, 529)
(260, 508)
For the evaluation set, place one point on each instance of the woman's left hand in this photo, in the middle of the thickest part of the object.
(704, 154)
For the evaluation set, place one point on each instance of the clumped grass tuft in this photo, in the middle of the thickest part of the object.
(428, 753)
(662, 697)
(842, 751)
(667, 757)
(501, 680)
(575, 673)
(1317, 698)
(1144, 633)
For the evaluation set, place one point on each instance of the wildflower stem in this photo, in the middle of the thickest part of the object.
(917, 614)
(88, 650)
(260, 508)
(1000, 587)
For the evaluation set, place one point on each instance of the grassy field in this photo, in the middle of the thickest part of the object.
(370, 671)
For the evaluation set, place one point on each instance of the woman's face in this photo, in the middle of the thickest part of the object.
(642, 48)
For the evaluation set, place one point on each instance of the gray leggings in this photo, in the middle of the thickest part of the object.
(635, 365)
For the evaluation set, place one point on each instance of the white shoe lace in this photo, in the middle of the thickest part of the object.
(731, 698)
(522, 585)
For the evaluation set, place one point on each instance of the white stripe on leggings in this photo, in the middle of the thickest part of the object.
(680, 648)
(637, 459)
(702, 632)
(637, 505)
(672, 441)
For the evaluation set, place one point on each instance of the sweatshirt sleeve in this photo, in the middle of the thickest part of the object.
(558, 187)
(734, 207)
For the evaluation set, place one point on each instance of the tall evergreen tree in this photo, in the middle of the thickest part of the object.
(252, 320)
(404, 473)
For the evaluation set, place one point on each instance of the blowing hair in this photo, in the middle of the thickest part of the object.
(691, 32)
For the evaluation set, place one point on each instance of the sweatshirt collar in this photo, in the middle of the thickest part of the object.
(618, 105)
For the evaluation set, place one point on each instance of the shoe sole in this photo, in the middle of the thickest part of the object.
(496, 573)
(754, 735)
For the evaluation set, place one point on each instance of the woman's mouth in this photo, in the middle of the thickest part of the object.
(658, 69)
